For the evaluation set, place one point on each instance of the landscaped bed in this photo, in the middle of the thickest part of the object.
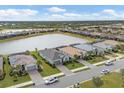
(97, 59)
(112, 80)
(8, 80)
(47, 69)
(73, 65)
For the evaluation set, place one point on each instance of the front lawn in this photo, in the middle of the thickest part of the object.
(8, 80)
(73, 65)
(112, 80)
(47, 69)
(97, 59)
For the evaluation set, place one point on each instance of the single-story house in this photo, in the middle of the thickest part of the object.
(22, 59)
(54, 56)
(103, 46)
(1, 67)
(90, 49)
(71, 51)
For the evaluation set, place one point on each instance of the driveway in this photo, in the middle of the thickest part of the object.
(36, 77)
(64, 69)
(86, 63)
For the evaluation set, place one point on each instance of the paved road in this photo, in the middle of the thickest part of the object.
(81, 76)
(86, 63)
(36, 77)
(64, 69)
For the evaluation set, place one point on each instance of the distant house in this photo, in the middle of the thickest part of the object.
(71, 51)
(1, 67)
(90, 49)
(103, 46)
(111, 42)
(21, 59)
(54, 56)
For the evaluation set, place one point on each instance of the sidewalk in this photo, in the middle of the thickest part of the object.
(79, 69)
(22, 84)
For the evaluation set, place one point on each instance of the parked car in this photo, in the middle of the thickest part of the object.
(105, 71)
(51, 80)
(109, 63)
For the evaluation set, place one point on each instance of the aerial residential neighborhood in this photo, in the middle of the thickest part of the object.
(66, 53)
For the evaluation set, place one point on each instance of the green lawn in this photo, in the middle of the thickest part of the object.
(8, 81)
(97, 59)
(112, 80)
(73, 65)
(47, 69)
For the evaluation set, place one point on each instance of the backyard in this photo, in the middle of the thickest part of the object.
(112, 80)
(47, 69)
(8, 80)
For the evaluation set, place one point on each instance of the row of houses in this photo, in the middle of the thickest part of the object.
(60, 55)
(96, 34)
(64, 54)
(23, 32)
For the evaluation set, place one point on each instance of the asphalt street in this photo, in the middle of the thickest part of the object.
(72, 79)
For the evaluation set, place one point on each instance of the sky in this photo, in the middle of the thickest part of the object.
(61, 13)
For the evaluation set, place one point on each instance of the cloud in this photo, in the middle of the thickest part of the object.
(16, 12)
(72, 15)
(57, 15)
(110, 12)
(56, 9)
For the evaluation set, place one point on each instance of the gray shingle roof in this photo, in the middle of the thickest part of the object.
(86, 47)
(102, 45)
(51, 54)
(21, 59)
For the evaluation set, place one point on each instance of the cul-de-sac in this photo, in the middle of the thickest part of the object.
(41, 48)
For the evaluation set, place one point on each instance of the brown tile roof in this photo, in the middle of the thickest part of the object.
(71, 51)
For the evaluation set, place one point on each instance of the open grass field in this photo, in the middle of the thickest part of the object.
(47, 69)
(8, 80)
(112, 80)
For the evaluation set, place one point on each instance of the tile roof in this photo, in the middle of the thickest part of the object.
(71, 50)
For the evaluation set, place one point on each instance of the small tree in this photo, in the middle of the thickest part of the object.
(97, 81)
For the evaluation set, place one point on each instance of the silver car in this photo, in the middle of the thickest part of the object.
(105, 71)
(51, 80)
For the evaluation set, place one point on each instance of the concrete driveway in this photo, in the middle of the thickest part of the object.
(86, 63)
(36, 77)
(64, 69)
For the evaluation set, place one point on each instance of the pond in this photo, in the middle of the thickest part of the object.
(39, 42)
